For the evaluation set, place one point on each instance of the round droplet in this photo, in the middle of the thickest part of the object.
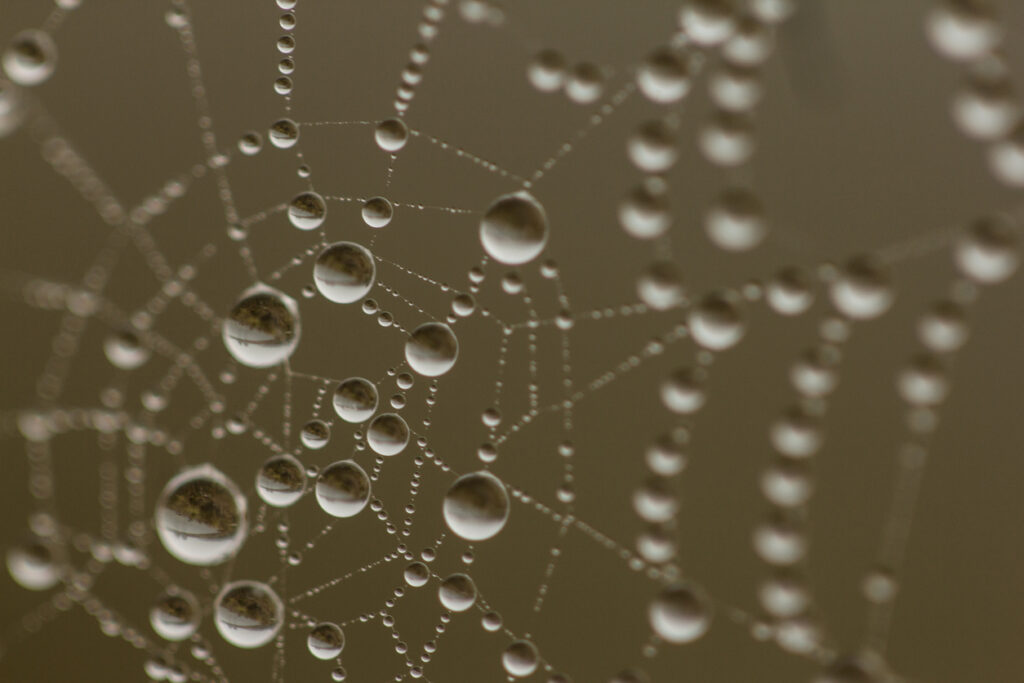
(682, 392)
(377, 212)
(315, 434)
(31, 566)
(879, 586)
(665, 76)
(923, 381)
(491, 621)
(660, 286)
(307, 211)
(125, 350)
(816, 372)
(716, 323)
(708, 22)
(655, 501)
(988, 253)
(31, 57)
(784, 594)
(457, 593)
(463, 305)
(355, 400)
(344, 272)
(520, 659)
(986, 107)
(248, 614)
(416, 574)
(343, 489)
(325, 641)
(862, 290)
(200, 516)
(283, 133)
(963, 30)
(514, 229)
(281, 480)
(391, 135)
(432, 349)
(175, 615)
(547, 70)
(652, 147)
(753, 41)
(263, 328)
(736, 221)
(796, 434)
(780, 542)
(250, 143)
(787, 483)
(789, 292)
(680, 614)
(476, 506)
(727, 139)
(735, 88)
(388, 434)
(943, 329)
(644, 212)
(585, 83)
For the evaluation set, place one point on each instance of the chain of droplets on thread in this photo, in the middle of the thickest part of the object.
(203, 518)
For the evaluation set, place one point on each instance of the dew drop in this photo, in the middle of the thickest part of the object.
(457, 593)
(200, 516)
(31, 57)
(391, 135)
(344, 272)
(514, 229)
(680, 614)
(248, 614)
(307, 211)
(325, 641)
(388, 434)
(476, 506)
(432, 349)
(175, 615)
(31, 566)
(263, 328)
(355, 400)
(343, 489)
(281, 481)
(520, 659)
(377, 212)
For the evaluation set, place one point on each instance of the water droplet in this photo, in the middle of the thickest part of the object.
(263, 328)
(457, 593)
(377, 212)
(708, 22)
(652, 147)
(787, 483)
(476, 506)
(655, 501)
(315, 434)
(250, 144)
(716, 323)
(986, 107)
(432, 349)
(175, 615)
(963, 30)
(520, 659)
(682, 392)
(283, 133)
(736, 220)
(943, 329)
(31, 566)
(344, 272)
(988, 252)
(416, 574)
(547, 70)
(680, 614)
(343, 489)
(514, 229)
(665, 76)
(124, 350)
(355, 400)
(660, 286)
(248, 614)
(388, 434)
(783, 594)
(585, 83)
(923, 381)
(644, 212)
(30, 58)
(789, 292)
(307, 211)
(862, 290)
(391, 135)
(200, 516)
(325, 641)
(727, 139)
(281, 481)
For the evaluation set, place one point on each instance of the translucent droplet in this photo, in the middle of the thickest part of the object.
(514, 229)
(463, 305)
(432, 349)
(660, 286)
(753, 41)
(963, 29)
(263, 328)
(125, 350)
(652, 147)
(708, 22)
(988, 253)
(520, 659)
(200, 516)
(355, 400)
(665, 456)
(315, 434)
(175, 615)
(344, 272)
(862, 290)
(31, 566)
(784, 594)
(30, 58)
(388, 434)
(416, 574)
(727, 139)
(734, 88)
(816, 371)
(943, 328)
(879, 586)
(343, 489)
(476, 506)
(665, 76)
(986, 107)
(644, 213)
(457, 593)
(391, 135)
(585, 83)
(655, 501)
(682, 392)
(796, 434)
(491, 621)
(325, 641)
(250, 143)
(377, 212)
(780, 542)
(283, 133)
(547, 70)
(923, 381)
(789, 292)
(787, 483)
(307, 211)
(680, 614)
(716, 323)
(736, 220)
(281, 481)
(656, 544)
(248, 614)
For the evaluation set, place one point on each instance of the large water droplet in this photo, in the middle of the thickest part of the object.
(476, 506)
(200, 516)
(716, 323)
(388, 434)
(457, 593)
(680, 614)
(326, 641)
(432, 349)
(263, 327)
(124, 350)
(281, 480)
(175, 615)
(307, 211)
(344, 272)
(514, 229)
(343, 489)
(520, 659)
(31, 57)
(31, 566)
(355, 400)
(248, 614)
(391, 135)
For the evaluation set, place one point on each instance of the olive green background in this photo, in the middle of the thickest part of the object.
(856, 151)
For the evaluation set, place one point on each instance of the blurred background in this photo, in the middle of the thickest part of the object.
(856, 151)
